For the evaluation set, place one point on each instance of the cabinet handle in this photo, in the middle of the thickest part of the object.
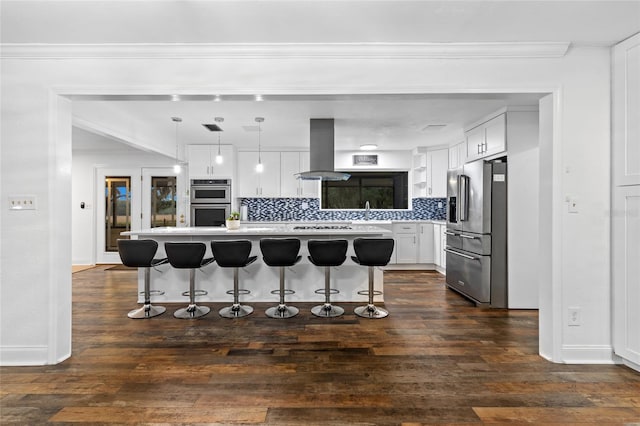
(486, 146)
(414, 239)
(479, 146)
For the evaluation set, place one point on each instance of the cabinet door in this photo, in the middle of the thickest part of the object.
(248, 179)
(453, 157)
(406, 245)
(438, 172)
(495, 136)
(443, 246)
(270, 178)
(199, 157)
(475, 143)
(462, 153)
(437, 247)
(224, 170)
(425, 238)
(289, 166)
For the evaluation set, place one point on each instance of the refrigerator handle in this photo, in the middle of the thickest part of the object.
(463, 196)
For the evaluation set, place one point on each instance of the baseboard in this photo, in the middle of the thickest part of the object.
(590, 354)
(24, 355)
(410, 267)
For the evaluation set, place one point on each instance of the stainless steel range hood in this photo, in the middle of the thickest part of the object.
(321, 152)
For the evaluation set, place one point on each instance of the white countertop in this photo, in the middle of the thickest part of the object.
(266, 230)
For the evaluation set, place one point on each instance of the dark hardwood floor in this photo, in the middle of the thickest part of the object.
(435, 359)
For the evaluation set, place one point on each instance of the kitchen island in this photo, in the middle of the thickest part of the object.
(303, 278)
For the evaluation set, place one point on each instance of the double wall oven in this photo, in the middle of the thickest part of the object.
(210, 201)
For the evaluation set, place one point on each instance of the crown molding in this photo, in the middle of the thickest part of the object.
(285, 50)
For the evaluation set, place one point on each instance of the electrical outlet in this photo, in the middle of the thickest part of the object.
(575, 318)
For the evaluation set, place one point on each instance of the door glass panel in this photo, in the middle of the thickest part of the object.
(118, 209)
(163, 201)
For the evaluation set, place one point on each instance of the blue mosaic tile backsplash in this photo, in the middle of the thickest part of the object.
(303, 209)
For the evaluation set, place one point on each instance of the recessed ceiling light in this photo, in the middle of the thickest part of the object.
(368, 146)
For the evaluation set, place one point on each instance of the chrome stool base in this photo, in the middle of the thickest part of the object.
(192, 311)
(282, 311)
(327, 310)
(235, 311)
(370, 311)
(147, 311)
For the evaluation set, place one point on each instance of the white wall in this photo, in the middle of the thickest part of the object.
(84, 189)
(37, 149)
(523, 208)
(387, 160)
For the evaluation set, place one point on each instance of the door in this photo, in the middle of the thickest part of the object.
(118, 209)
(479, 197)
(453, 202)
(159, 198)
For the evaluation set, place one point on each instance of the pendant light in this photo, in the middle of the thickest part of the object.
(219, 158)
(176, 167)
(259, 166)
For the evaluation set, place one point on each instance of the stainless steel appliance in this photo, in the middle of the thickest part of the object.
(211, 191)
(210, 201)
(477, 232)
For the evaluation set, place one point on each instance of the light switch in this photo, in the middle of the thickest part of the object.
(573, 205)
(22, 202)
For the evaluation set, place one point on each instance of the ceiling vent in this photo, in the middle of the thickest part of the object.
(433, 127)
(213, 127)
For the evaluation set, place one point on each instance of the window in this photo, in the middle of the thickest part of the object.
(383, 190)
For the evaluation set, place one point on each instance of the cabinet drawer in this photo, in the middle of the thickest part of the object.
(405, 228)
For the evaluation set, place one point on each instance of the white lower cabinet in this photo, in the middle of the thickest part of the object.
(425, 238)
(437, 244)
(406, 242)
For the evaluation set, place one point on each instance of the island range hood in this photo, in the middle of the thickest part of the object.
(321, 152)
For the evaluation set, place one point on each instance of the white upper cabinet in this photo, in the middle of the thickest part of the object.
(487, 139)
(419, 171)
(437, 165)
(457, 155)
(202, 164)
(430, 173)
(292, 163)
(254, 184)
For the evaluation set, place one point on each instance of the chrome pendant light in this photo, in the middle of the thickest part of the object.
(259, 166)
(176, 167)
(219, 158)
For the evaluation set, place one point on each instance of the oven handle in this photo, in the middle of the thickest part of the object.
(466, 256)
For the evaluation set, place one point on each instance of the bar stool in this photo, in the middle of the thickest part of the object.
(189, 256)
(234, 254)
(281, 252)
(372, 252)
(327, 253)
(139, 254)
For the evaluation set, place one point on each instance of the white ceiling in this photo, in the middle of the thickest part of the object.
(309, 21)
(392, 122)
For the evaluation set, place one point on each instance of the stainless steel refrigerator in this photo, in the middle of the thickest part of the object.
(477, 232)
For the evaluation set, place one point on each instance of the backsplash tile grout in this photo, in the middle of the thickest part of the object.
(308, 209)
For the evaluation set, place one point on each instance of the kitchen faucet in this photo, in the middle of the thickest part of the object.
(366, 212)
